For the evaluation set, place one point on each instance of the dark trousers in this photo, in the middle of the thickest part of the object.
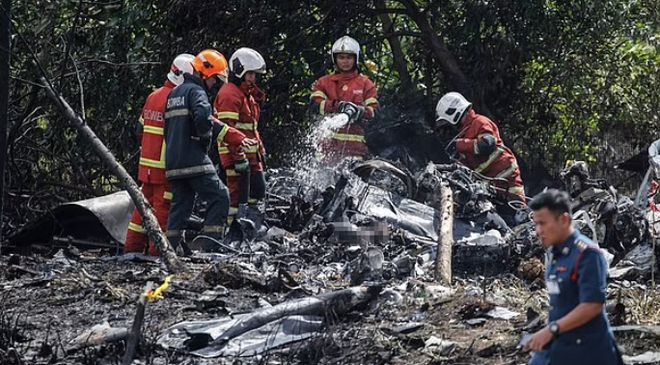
(208, 188)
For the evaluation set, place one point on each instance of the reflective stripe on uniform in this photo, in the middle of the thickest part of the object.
(153, 130)
(348, 137)
(322, 107)
(227, 115)
(223, 133)
(224, 150)
(232, 172)
(518, 190)
(193, 170)
(177, 113)
(173, 233)
(152, 163)
(253, 201)
(507, 172)
(136, 227)
(232, 214)
(252, 149)
(318, 94)
(167, 195)
(245, 126)
(157, 164)
(371, 101)
(492, 158)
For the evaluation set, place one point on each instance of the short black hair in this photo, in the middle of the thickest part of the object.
(558, 202)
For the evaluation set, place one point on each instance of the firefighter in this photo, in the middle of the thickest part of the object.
(349, 91)
(479, 146)
(189, 170)
(238, 104)
(151, 170)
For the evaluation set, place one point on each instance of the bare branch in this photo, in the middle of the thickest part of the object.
(80, 86)
(121, 64)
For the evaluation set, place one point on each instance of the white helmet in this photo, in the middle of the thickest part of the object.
(246, 59)
(451, 108)
(348, 45)
(182, 64)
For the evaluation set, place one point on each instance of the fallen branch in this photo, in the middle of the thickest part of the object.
(97, 335)
(150, 222)
(136, 331)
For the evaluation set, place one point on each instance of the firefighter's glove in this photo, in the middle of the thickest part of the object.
(354, 112)
(451, 150)
(242, 166)
(247, 143)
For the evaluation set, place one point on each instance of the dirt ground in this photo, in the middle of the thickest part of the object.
(47, 301)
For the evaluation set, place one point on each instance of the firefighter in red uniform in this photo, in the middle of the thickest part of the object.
(479, 145)
(238, 104)
(347, 91)
(151, 172)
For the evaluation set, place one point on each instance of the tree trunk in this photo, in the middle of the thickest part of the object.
(149, 220)
(398, 57)
(445, 58)
(5, 52)
(437, 46)
(445, 236)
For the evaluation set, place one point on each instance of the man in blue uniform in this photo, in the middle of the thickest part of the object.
(576, 277)
(189, 170)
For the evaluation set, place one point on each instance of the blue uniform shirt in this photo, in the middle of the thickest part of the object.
(576, 273)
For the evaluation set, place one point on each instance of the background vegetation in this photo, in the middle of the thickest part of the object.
(564, 79)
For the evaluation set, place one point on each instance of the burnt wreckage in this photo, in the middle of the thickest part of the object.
(335, 240)
(377, 202)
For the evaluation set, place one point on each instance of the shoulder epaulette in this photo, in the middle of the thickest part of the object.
(581, 245)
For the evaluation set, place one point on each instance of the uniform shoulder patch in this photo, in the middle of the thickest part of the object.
(584, 246)
(581, 245)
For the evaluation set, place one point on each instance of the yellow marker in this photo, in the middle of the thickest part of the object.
(158, 293)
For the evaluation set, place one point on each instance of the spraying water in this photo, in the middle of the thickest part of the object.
(309, 165)
(326, 128)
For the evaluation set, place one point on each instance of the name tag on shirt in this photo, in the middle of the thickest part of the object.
(552, 285)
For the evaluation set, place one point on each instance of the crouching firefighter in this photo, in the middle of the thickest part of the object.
(151, 170)
(238, 105)
(189, 170)
(347, 91)
(479, 146)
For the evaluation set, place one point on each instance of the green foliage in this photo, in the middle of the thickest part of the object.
(565, 80)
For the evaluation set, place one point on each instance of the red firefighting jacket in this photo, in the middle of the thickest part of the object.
(240, 107)
(152, 156)
(329, 90)
(501, 163)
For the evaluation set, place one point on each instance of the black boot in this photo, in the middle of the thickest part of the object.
(209, 240)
